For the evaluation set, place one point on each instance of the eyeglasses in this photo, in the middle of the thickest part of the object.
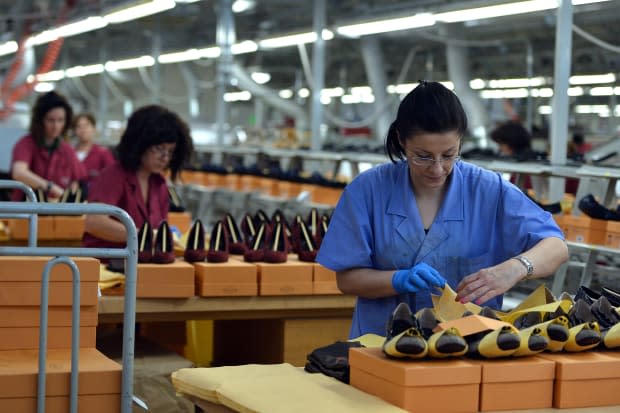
(428, 161)
(162, 151)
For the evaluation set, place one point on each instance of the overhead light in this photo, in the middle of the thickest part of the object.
(515, 83)
(477, 84)
(294, 39)
(605, 91)
(580, 2)
(142, 61)
(246, 46)
(303, 92)
(52, 76)
(239, 6)
(388, 25)
(503, 93)
(77, 71)
(46, 36)
(575, 91)
(333, 92)
(139, 10)
(190, 54)
(44, 87)
(8, 47)
(401, 89)
(487, 12)
(545, 110)
(325, 100)
(186, 1)
(260, 77)
(285, 93)
(543, 92)
(82, 26)
(592, 79)
(237, 96)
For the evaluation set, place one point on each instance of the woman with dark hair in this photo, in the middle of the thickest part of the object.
(94, 157)
(402, 229)
(514, 141)
(42, 159)
(156, 140)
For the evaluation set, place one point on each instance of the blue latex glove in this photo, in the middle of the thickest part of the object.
(420, 277)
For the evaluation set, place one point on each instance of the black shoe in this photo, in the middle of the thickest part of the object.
(612, 296)
(586, 294)
(590, 206)
(195, 246)
(403, 339)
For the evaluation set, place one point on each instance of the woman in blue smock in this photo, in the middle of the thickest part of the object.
(402, 229)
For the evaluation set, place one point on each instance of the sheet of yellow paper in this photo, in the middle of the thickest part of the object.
(109, 279)
(542, 309)
(446, 308)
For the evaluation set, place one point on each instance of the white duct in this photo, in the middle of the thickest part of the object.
(244, 81)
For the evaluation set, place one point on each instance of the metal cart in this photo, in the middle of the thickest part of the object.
(30, 210)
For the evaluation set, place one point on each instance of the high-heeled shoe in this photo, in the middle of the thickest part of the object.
(313, 222)
(295, 233)
(174, 201)
(307, 249)
(260, 216)
(72, 196)
(235, 239)
(218, 244)
(248, 227)
(41, 195)
(195, 246)
(279, 245)
(256, 250)
(278, 216)
(163, 251)
(403, 338)
(145, 243)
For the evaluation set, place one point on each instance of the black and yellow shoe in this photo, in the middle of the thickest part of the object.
(583, 337)
(501, 342)
(446, 343)
(403, 339)
(532, 341)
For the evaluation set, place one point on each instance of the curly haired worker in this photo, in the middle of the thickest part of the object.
(402, 229)
(154, 141)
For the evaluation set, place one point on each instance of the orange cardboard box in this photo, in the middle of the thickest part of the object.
(45, 228)
(585, 379)
(516, 383)
(69, 227)
(324, 280)
(24, 338)
(22, 316)
(248, 183)
(267, 186)
(178, 272)
(164, 290)
(232, 278)
(585, 229)
(19, 368)
(287, 278)
(288, 189)
(31, 269)
(181, 220)
(91, 403)
(326, 195)
(612, 235)
(438, 386)
(232, 182)
(28, 293)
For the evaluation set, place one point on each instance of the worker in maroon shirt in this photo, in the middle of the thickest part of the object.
(94, 157)
(156, 140)
(42, 159)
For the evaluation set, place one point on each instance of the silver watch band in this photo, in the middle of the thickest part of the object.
(527, 264)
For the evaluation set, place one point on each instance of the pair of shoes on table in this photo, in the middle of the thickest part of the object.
(599, 322)
(159, 252)
(218, 244)
(591, 207)
(269, 245)
(590, 296)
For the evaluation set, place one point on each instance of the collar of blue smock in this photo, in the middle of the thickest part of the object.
(453, 205)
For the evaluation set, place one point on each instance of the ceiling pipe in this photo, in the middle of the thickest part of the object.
(375, 71)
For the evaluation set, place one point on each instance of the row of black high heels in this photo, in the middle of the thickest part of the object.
(258, 238)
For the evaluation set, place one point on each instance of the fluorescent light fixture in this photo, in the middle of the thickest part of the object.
(575, 91)
(139, 10)
(186, 1)
(52, 76)
(580, 2)
(239, 6)
(44, 87)
(8, 47)
(477, 84)
(77, 71)
(448, 84)
(184, 56)
(210, 52)
(401, 89)
(46, 36)
(333, 92)
(246, 46)
(303, 92)
(499, 10)
(260, 77)
(237, 96)
(504, 94)
(388, 25)
(82, 26)
(592, 79)
(545, 110)
(543, 92)
(592, 109)
(350, 99)
(285, 93)
(142, 61)
(294, 39)
(361, 90)
(325, 100)
(516, 83)
(605, 91)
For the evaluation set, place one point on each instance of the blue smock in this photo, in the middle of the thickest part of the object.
(483, 221)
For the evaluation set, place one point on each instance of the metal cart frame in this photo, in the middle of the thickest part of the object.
(31, 210)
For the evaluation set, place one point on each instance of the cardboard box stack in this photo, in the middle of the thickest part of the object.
(99, 377)
(175, 280)
(50, 228)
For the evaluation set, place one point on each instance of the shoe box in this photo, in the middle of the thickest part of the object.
(438, 386)
(581, 228)
(516, 383)
(49, 228)
(292, 277)
(99, 381)
(181, 220)
(20, 299)
(231, 278)
(612, 238)
(324, 280)
(586, 379)
(174, 280)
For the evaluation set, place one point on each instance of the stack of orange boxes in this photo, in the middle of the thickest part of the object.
(20, 290)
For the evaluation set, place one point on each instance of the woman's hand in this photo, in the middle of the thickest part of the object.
(490, 282)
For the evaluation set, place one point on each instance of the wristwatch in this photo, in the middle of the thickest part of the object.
(527, 264)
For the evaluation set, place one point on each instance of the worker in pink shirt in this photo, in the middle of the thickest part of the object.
(94, 157)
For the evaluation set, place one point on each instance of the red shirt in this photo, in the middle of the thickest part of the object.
(59, 165)
(118, 187)
(97, 159)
